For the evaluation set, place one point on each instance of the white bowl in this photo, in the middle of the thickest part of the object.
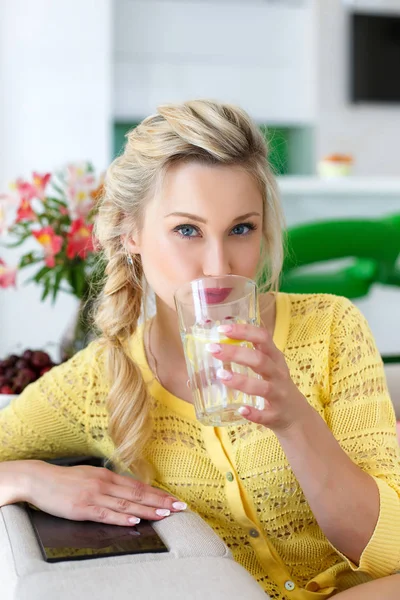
(6, 399)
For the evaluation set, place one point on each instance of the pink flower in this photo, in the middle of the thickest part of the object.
(80, 173)
(81, 184)
(7, 275)
(80, 200)
(80, 241)
(51, 243)
(40, 182)
(25, 211)
(26, 191)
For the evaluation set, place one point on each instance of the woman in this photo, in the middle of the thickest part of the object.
(305, 492)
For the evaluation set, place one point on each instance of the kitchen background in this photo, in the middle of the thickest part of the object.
(76, 74)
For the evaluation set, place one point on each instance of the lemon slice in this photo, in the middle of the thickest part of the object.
(192, 339)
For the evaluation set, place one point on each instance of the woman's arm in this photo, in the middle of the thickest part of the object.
(14, 481)
(343, 498)
(84, 493)
(348, 466)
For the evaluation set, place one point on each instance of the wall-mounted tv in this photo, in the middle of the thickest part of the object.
(375, 58)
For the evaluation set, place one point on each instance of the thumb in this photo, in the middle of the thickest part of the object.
(253, 414)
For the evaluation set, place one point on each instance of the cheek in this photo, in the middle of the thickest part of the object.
(168, 263)
(246, 259)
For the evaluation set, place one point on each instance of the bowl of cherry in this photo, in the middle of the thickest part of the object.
(18, 371)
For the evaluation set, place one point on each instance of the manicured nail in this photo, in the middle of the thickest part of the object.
(244, 410)
(213, 348)
(225, 375)
(225, 328)
(179, 505)
(163, 512)
(134, 520)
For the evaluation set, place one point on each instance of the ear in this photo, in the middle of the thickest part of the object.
(131, 244)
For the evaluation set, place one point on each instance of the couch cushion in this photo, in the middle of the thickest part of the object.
(392, 371)
(195, 578)
(197, 565)
(185, 534)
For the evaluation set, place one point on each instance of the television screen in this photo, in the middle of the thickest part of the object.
(375, 58)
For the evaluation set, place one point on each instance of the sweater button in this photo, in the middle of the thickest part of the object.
(254, 533)
(313, 586)
(229, 476)
(289, 586)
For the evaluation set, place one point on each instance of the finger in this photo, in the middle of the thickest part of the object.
(142, 494)
(248, 357)
(101, 514)
(132, 509)
(253, 414)
(249, 385)
(258, 336)
(126, 480)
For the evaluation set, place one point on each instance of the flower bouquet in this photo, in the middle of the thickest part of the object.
(54, 214)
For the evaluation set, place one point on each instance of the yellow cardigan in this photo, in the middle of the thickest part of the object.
(237, 478)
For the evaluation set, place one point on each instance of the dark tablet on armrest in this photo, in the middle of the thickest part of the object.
(62, 539)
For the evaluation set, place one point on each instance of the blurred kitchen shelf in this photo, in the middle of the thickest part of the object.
(351, 185)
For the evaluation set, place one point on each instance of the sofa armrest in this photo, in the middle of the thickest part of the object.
(194, 549)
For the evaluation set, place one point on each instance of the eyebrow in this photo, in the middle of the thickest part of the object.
(201, 220)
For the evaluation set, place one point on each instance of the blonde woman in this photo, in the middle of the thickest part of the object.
(306, 492)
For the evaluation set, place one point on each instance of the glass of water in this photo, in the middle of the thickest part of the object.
(202, 306)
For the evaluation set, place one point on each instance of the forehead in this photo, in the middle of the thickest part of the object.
(208, 188)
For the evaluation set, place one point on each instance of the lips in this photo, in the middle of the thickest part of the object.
(216, 295)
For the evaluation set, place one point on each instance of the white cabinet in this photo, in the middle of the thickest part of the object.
(260, 55)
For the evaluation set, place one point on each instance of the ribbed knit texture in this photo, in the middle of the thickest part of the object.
(261, 513)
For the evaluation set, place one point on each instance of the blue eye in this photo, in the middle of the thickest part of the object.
(243, 229)
(187, 231)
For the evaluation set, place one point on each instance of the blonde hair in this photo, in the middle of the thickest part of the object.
(201, 131)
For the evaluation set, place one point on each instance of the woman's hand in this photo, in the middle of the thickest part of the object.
(284, 403)
(85, 493)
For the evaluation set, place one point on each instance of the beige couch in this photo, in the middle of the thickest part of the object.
(198, 566)
(393, 380)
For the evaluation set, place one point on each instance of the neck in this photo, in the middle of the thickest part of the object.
(166, 331)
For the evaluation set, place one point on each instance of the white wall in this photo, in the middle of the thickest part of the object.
(257, 54)
(370, 134)
(55, 90)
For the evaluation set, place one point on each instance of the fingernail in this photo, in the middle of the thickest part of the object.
(225, 375)
(163, 512)
(180, 505)
(225, 328)
(134, 520)
(244, 410)
(214, 348)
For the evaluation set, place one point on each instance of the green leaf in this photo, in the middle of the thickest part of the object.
(58, 188)
(29, 259)
(46, 289)
(57, 282)
(57, 202)
(19, 242)
(40, 274)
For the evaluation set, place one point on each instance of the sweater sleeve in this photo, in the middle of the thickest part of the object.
(49, 419)
(361, 417)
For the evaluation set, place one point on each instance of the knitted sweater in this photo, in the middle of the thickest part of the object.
(237, 478)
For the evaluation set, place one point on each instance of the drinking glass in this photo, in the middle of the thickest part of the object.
(202, 306)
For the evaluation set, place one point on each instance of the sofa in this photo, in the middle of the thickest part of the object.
(197, 566)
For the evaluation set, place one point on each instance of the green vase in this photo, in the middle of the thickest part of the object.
(80, 332)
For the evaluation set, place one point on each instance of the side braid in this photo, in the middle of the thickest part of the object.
(117, 316)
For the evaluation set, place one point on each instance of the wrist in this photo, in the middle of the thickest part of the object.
(16, 479)
(301, 427)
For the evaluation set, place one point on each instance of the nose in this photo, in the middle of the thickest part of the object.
(216, 260)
